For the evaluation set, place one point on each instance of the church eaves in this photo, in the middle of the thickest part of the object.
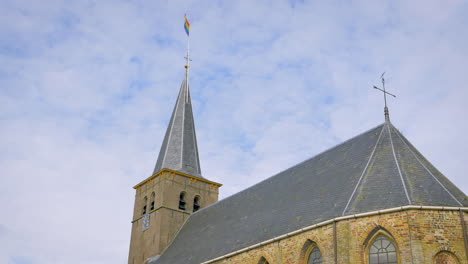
(179, 150)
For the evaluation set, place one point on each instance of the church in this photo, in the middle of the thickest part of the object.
(372, 199)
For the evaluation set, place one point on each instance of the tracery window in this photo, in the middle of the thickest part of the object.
(382, 251)
(315, 256)
(182, 201)
(196, 203)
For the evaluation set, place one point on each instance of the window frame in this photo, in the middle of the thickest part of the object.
(263, 260)
(448, 252)
(182, 201)
(152, 201)
(198, 203)
(144, 208)
(373, 235)
(309, 252)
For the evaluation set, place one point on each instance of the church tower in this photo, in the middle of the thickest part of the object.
(177, 189)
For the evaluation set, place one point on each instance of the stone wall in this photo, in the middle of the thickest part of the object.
(166, 218)
(420, 236)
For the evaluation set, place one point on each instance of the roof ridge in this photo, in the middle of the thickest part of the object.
(424, 166)
(171, 125)
(364, 170)
(397, 164)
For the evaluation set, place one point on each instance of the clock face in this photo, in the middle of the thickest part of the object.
(145, 221)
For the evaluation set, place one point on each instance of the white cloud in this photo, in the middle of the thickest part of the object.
(87, 90)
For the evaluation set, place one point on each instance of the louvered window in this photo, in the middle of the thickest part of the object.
(145, 200)
(182, 201)
(153, 197)
(196, 203)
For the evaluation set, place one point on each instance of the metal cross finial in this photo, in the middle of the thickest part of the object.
(187, 62)
(385, 96)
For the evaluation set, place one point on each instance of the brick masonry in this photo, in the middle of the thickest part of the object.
(421, 236)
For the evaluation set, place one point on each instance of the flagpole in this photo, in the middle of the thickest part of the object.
(187, 66)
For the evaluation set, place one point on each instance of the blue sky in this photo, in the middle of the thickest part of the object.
(87, 88)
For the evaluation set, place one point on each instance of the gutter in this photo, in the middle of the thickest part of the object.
(378, 212)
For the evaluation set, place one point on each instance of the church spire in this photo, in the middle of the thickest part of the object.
(179, 150)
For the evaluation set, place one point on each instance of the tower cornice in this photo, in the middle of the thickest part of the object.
(169, 171)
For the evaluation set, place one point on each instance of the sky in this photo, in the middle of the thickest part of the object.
(87, 89)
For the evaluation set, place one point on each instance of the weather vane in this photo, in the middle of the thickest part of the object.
(385, 96)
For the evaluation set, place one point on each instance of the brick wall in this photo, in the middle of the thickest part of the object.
(419, 236)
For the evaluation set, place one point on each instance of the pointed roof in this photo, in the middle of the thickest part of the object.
(395, 169)
(179, 150)
(376, 170)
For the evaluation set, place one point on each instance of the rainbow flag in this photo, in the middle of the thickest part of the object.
(186, 25)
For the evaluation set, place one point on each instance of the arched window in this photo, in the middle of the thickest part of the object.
(145, 200)
(310, 253)
(314, 256)
(153, 197)
(445, 257)
(196, 203)
(182, 201)
(263, 261)
(382, 251)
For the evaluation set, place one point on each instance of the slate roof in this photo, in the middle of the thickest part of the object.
(376, 170)
(179, 150)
